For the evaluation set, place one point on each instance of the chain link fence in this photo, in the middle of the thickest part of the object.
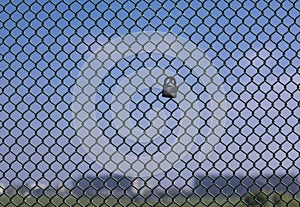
(89, 116)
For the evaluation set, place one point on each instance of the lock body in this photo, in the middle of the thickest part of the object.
(169, 88)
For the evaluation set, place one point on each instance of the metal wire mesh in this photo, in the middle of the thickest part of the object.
(84, 122)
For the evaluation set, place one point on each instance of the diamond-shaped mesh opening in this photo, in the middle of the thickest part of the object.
(85, 120)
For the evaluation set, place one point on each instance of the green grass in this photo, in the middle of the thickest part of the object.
(70, 200)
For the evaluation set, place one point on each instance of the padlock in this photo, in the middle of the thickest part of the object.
(169, 88)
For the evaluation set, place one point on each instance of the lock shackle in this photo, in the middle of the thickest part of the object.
(170, 80)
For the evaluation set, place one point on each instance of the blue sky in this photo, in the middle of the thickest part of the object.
(255, 48)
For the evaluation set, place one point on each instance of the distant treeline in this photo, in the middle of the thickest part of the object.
(203, 186)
